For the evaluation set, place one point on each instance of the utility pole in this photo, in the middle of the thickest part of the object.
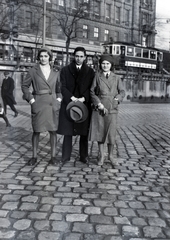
(44, 22)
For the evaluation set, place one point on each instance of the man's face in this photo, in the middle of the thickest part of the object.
(6, 75)
(79, 57)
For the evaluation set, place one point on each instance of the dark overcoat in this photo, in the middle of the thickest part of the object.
(45, 109)
(7, 89)
(103, 128)
(77, 85)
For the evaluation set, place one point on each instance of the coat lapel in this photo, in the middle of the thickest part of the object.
(40, 74)
(104, 80)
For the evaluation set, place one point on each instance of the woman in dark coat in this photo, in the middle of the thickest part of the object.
(106, 93)
(45, 101)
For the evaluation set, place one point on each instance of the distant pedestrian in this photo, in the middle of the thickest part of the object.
(7, 95)
(44, 100)
(76, 80)
(106, 93)
(3, 115)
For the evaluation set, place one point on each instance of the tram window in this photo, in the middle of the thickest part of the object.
(105, 49)
(122, 50)
(138, 52)
(145, 53)
(116, 50)
(130, 51)
(110, 49)
(153, 54)
(160, 56)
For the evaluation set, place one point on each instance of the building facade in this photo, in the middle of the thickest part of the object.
(100, 21)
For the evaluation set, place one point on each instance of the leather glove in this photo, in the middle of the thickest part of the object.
(103, 112)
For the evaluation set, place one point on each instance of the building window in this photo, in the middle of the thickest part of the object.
(117, 15)
(96, 32)
(11, 14)
(126, 38)
(61, 3)
(97, 9)
(116, 36)
(145, 18)
(140, 85)
(162, 86)
(48, 24)
(152, 86)
(106, 35)
(74, 4)
(85, 31)
(108, 11)
(127, 17)
(128, 85)
(28, 19)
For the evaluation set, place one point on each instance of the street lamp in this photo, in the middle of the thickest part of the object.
(44, 20)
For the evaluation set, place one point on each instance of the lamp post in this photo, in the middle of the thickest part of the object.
(44, 22)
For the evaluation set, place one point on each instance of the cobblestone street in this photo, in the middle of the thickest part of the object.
(127, 201)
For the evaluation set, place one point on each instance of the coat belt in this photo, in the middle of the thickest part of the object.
(41, 92)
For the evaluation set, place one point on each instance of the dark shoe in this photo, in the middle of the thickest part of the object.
(54, 161)
(63, 161)
(16, 114)
(84, 160)
(8, 125)
(32, 161)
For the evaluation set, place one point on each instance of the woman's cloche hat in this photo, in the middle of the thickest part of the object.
(77, 111)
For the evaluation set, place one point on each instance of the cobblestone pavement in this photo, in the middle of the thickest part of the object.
(127, 201)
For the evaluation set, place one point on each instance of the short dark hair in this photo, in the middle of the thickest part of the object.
(44, 49)
(6, 73)
(81, 49)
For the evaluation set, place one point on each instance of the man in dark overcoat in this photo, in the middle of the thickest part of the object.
(76, 80)
(7, 89)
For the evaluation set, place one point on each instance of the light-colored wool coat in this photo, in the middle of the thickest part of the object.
(45, 109)
(103, 128)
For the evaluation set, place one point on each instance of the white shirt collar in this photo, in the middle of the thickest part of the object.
(105, 73)
(78, 66)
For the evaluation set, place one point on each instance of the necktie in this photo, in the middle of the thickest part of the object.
(78, 69)
(107, 75)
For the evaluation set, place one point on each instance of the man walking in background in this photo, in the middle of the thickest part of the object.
(7, 89)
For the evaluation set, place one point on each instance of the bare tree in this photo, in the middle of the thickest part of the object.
(68, 19)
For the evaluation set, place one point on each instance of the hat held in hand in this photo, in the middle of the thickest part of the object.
(77, 111)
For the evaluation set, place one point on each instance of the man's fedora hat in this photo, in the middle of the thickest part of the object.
(77, 111)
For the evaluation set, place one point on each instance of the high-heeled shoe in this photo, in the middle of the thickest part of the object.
(32, 161)
(100, 160)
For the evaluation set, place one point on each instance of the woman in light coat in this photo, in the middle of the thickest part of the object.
(106, 93)
(44, 100)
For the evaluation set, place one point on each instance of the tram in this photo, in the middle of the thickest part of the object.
(128, 55)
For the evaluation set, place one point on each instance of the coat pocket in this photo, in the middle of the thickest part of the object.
(114, 104)
(33, 108)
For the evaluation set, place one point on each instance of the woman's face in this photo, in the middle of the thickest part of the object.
(106, 66)
(44, 58)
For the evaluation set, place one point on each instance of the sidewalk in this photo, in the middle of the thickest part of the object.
(127, 201)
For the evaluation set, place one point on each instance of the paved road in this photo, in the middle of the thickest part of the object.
(127, 201)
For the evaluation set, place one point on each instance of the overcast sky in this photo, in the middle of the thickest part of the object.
(163, 8)
(162, 27)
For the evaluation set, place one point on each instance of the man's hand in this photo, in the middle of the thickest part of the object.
(82, 99)
(74, 99)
